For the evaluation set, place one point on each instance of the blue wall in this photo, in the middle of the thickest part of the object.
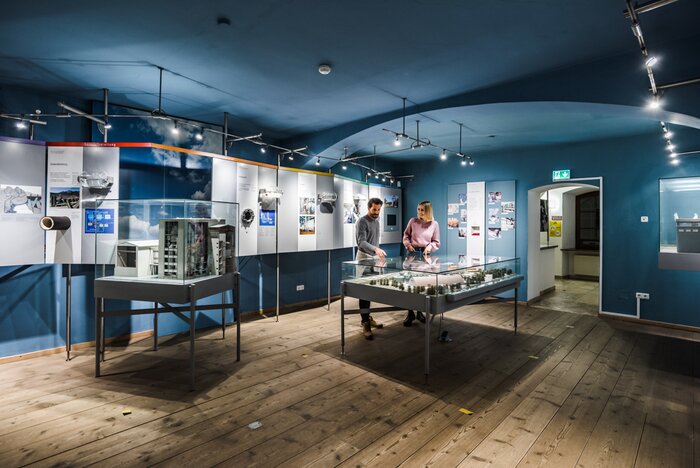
(631, 168)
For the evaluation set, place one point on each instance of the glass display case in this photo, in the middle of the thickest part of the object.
(679, 223)
(162, 240)
(451, 279)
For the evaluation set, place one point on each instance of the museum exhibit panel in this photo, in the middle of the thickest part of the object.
(430, 284)
(164, 252)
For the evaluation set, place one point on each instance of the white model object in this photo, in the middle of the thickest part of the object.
(137, 258)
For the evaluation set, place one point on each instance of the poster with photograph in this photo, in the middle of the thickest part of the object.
(463, 215)
(507, 224)
(21, 199)
(452, 223)
(507, 207)
(307, 225)
(307, 206)
(495, 197)
(544, 215)
(494, 215)
(462, 198)
(64, 197)
(475, 231)
(452, 208)
(494, 233)
(267, 217)
(391, 201)
(462, 232)
(350, 215)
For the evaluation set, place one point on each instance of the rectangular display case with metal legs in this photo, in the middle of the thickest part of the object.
(428, 285)
(164, 295)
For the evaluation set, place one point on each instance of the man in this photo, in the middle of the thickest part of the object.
(367, 237)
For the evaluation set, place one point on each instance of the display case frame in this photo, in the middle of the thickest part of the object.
(679, 223)
(360, 280)
(202, 246)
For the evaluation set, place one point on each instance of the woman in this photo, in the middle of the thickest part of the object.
(422, 235)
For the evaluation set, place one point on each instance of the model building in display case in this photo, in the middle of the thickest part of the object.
(169, 239)
(450, 278)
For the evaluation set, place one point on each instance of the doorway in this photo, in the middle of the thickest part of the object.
(565, 246)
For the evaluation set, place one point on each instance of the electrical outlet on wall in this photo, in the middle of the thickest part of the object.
(300, 287)
(641, 295)
(644, 219)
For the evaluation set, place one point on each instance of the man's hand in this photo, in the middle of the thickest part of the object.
(410, 248)
(380, 253)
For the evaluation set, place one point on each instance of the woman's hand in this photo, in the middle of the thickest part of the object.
(427, 250)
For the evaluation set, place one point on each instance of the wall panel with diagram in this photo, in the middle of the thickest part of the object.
(76, 177)
(22, 189)
(326, 208)
(267, 210)
(247, 196)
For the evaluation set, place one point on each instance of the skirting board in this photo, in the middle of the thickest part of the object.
(633, 319)
(133, 337)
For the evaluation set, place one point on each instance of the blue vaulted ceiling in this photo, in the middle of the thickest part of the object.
(527, 72)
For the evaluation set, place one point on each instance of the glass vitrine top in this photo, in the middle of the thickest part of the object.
(436, 264)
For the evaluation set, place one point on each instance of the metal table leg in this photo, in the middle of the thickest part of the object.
(155, 326)
(193, 318)
(515, 313)
(342, 320)
(99, 304)
(237, 312)
(223, 315)
(68, 311)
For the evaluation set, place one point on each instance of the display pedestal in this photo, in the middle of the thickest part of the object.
(163, 293)
(429, 305)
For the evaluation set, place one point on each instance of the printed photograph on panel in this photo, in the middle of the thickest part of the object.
(21, 199)
(64, 197)
(307, 225)
(495, 197)
(493, 215)
(452, 223)
(507, 207)
(391, 201)
(307, 206)
(494, 233)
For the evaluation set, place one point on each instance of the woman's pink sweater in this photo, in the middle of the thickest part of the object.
(420, 234)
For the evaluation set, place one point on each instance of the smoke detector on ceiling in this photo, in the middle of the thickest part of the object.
(324, 69)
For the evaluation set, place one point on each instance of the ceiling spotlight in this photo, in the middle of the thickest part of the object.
(654, 103)
(175, 130)
(291, 156)
(383, 179)
(397, 142)
(651, 61)
(324, 69)
(670, 146)
(673, 155)
(464, 162)
(376, 176)
(108, 126)
(668, 134)
(263, 149)
(471, 162)
(675, 162)
(21, 125)
(318, 161)
(199, 136)
(443, 155)
(345, 167)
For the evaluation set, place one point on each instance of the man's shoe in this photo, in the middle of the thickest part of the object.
(410, 317)
(420, 316)
(375, 324)
(367, 331)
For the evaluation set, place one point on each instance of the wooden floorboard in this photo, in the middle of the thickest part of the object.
(567, 390)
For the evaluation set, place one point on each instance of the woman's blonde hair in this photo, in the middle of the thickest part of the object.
(427, 210)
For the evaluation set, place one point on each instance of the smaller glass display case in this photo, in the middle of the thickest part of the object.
(444, 277)
(162, 240)
(679, 223)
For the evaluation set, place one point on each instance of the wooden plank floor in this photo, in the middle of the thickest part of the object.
(567, 390)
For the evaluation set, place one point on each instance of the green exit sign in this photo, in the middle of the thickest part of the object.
(563, 174)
